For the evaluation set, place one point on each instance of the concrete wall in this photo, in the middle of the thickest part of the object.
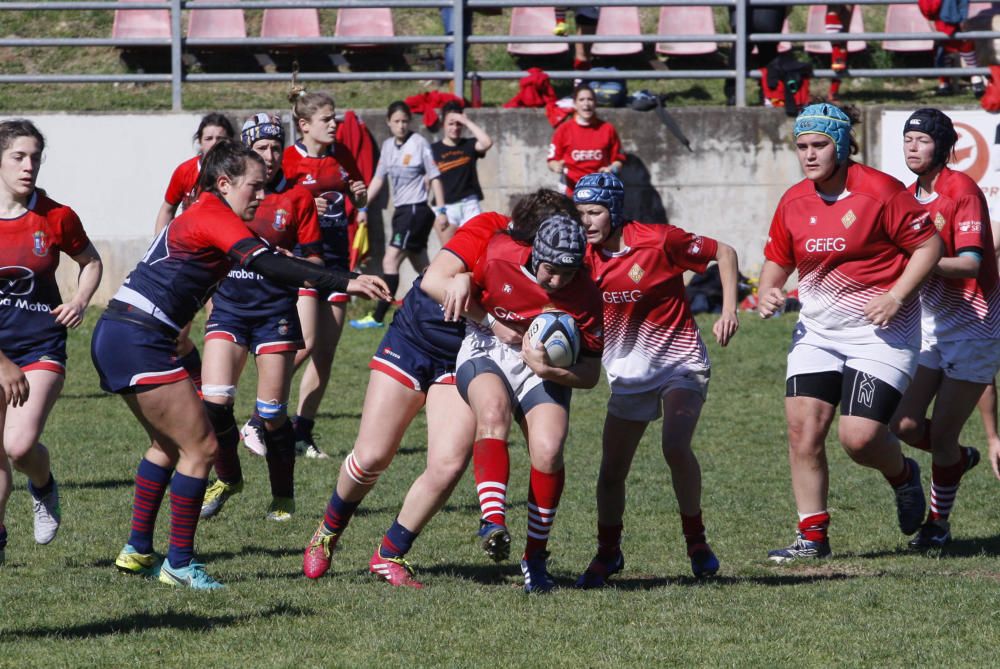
(113, 169)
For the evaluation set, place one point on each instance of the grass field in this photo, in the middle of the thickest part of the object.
(875, 604)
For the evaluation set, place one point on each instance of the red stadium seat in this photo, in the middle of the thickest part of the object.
(216, 23)
(141, 23)
(907, 19)
(816, 25)
(784, 46)
(618, 21)
(679, 20)
(534, 21)
(290, 23)
(375, 22)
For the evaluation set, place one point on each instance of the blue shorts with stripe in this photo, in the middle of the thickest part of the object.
(132, 350)
(410, 364)
(261, 335)
(48, 353)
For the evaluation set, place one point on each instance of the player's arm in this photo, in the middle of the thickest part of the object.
(584, 374)
(729, 274)
(770, 288)
(454, 296)
(923, 259)
(13, 384)
(70, 314)
(965, 265)
(164, 216)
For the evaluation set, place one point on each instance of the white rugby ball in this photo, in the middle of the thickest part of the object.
(558, 334)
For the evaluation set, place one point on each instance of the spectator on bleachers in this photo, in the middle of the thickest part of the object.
(447, 22)
(586, 24)
(760, 19)
(947, 17)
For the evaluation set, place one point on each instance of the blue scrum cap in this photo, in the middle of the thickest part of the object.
(826, 119)
(604, 189)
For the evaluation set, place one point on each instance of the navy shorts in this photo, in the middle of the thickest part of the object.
(336, 256)
(411, 227)
(132, 349)
(261, 335)
(48, 354)
(409, 364)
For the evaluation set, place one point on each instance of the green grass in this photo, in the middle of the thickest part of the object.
(375, 95)
(875, 604)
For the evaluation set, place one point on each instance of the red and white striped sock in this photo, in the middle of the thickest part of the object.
(969, 58)
(944, 488)
(544, 492)
(833, 23)
(491, 465)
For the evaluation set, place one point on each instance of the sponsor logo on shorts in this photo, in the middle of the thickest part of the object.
(283, 327)
(392, 354)
(866, 389)
(849, 218)
(636, 273)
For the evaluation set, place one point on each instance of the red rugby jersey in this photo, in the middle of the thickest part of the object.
(961, 308)
(29, 255)
(849, 251)
(511, 294)
(183, 187)
(648, 327)
(584, 148)
(470, 240)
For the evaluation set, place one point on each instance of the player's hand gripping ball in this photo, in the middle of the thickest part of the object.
(557, 333)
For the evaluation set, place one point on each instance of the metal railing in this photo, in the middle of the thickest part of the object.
(177, 43)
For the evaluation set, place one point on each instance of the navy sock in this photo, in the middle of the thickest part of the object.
(303, 427)
(150, 485)
(186, 495)
(397, 541)
(3, 537)
(338, 513)
(39, 493)
(281, 460)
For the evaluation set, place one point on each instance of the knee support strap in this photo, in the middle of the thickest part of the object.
(221, 417)
(213, 390)
(271, 409)
(357, 473)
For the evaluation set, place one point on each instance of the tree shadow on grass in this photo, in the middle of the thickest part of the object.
(105, 484)
(182, 621)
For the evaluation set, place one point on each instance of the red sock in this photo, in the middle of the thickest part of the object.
(544, 492)
(491, 464)
(814, 527)
(833, 23)
(609, 541)
(834, 87)
(694, 531)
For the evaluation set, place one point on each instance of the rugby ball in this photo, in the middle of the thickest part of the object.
(557, 333)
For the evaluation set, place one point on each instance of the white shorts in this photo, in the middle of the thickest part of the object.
(972, 360)
(460, 212)
(811, 353)
(647, 406)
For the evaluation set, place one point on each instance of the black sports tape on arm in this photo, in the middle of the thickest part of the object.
(296, 272)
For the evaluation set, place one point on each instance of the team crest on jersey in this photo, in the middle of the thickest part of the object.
(280, 220)
(636, 273)
(939, 221)
(695, 247)
(849, 218)
(40, 245)
(406, 159)
(507, 288)
(283, 327)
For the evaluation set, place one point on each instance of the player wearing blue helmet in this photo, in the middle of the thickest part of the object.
(862, 247)
(654, 357)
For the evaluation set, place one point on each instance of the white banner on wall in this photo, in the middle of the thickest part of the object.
(977, 152)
